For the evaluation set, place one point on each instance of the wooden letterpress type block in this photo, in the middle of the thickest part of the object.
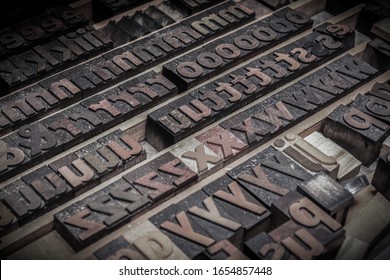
(53, 189)
(263, 246)
(12, 159)
(305, 213)
(128, 197)
(105, 163)
(223, 143)
(374, 106)
(329, 195)
(370, 14)
(349, 165)
(83, 77)
(37, 142)
(181, 228)
(8, 221)
(131, 27)
(69, 16)
(338, 31)
(156, 14)
(381, 179)
(212, 217)
(184, 232)
(275, 4)
(352, 249)
(104, 109)
(269, 175)
(152, 243)
(63, 89)
(5, 124)
(352, 129)
(151, 183)
(40, 99)
(169, 124)
(10, 76)
(352, 69)
(147, 22)
(307, 155)
(381, 91)
(119, 249)
(189, 70)
(117, 34)
(78, 225)
(247, 128)
(299, 242)
(174, 171)
(106, 210)
(63, 128)
(129, 150)
(240, 204)
(24, 202)
(86, 120)
(16, 110)
(76, 172)
(224, 250)
(149, 89)
(377, 54)
(123, 101)
(198, 157)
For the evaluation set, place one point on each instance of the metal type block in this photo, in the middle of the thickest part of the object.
(352, 129)
(22, 200)
(53, 189)
(269, 176)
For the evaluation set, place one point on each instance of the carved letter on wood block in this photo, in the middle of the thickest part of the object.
(329, 195)
(360, 134)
